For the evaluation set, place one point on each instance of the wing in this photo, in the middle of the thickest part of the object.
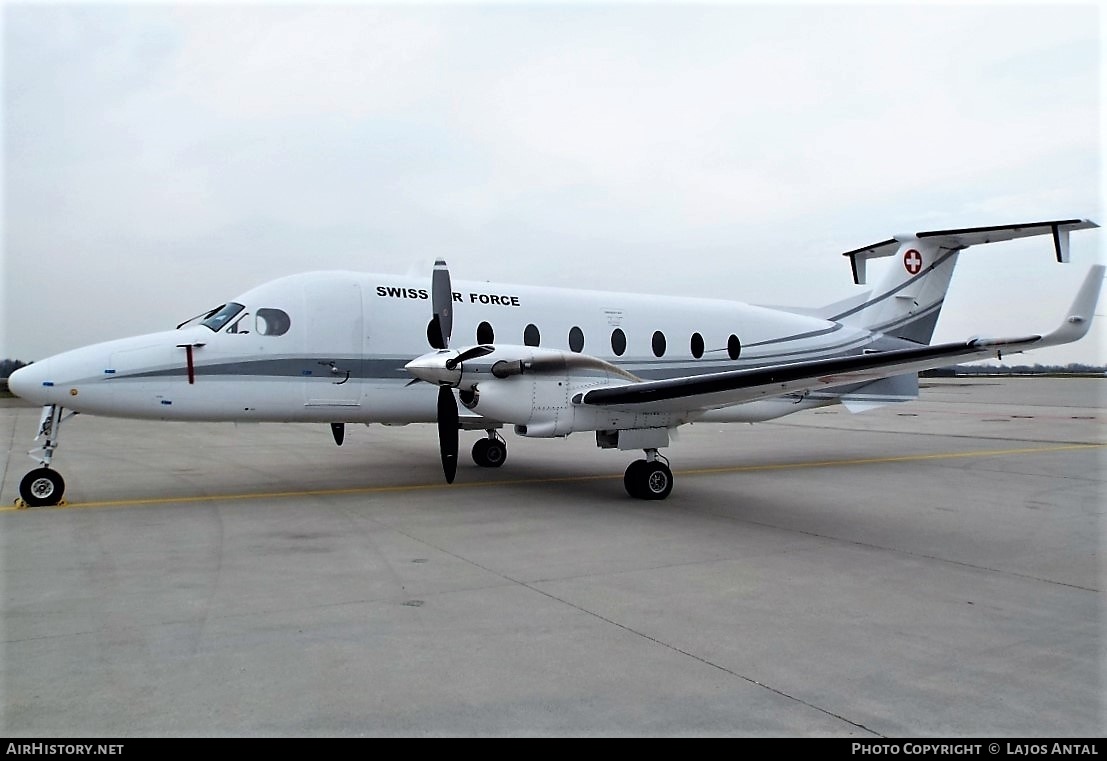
(702, 392)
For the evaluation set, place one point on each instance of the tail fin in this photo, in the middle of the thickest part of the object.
(909, 299)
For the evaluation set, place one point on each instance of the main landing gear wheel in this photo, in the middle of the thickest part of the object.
(41, 487)
(489, 453)
(644, 479)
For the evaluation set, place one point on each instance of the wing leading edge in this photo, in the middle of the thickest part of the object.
(703, 392)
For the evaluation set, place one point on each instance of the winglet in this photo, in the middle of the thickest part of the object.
(1061, 243)
(1079, 320)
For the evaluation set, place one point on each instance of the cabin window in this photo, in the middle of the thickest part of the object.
(697, 345)
(576, 340)
(531, 336)
(272, 322)
(618, 342)
(658, 344)
(733, 347)
(485, 334)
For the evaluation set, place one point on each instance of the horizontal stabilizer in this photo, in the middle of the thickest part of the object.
(960, 238)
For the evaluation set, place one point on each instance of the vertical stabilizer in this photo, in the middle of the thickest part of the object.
(908, 300)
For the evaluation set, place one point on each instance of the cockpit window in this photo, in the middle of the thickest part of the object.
(239, 324)
(233, 318)
(273, 322)
(219, 317)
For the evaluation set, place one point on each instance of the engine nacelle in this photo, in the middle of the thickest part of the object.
(538, 406)
(541, 406)
(533, 388)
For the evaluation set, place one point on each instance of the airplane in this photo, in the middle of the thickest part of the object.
(345, 347)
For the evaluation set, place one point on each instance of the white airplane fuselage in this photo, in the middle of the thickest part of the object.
(344, 338)
(346, 347)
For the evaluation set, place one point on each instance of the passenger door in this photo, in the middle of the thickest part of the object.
(334, 342)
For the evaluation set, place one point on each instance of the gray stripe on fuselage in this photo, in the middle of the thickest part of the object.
(287, 367)
(796, 337)
(918, 328)
(392, 368)
(902, 320)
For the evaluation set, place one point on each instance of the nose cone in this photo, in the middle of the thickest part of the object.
(27, 383)
(432, 368)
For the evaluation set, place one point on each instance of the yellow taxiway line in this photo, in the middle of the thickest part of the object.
(566, 479)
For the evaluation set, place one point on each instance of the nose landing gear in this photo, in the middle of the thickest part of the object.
(43, 486)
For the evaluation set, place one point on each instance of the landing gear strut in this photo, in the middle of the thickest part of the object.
(43, 486)
(649, 478)
(490, 452)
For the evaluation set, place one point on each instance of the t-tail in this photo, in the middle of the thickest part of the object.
(907, 302)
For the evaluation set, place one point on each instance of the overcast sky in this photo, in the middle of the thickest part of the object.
(160, 159)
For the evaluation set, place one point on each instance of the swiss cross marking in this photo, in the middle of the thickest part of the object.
(913, 261)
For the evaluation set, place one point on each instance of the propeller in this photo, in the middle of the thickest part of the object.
(438, 333)
(442, 369)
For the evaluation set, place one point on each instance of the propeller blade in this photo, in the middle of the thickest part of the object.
(434, 333)
(447, 432)
(442, 301)
(471, 353)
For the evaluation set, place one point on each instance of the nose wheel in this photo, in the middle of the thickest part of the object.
(41, 487)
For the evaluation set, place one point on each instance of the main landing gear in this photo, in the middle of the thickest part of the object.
(43, 486)
(490, 452)
(649, 478)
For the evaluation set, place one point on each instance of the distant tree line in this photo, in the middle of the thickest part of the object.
(1073, 368)
(9, 366)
